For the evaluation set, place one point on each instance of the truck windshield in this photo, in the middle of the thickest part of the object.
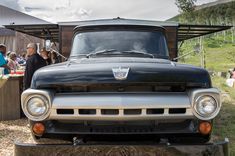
(138, 42)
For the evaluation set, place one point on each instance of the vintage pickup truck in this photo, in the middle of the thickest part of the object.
(120, 83)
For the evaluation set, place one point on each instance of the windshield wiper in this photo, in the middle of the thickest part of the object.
(139, 52)
(114, 51)
(101, 52)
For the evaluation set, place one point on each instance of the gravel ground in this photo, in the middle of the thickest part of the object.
(11, 131)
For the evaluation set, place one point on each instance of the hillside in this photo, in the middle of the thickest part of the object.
(212, 4)
(219, 47)
(219, 54)
(216, 14)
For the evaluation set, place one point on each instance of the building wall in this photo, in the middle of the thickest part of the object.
(22, 40)
(9, 41)
(171, 36)
(66, 34)
(17, 41)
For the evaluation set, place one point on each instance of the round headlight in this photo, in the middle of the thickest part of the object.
(205, 105)
(37, 106)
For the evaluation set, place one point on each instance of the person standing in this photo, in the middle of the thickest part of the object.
(3, 62)
(33, 63)
(45, 55)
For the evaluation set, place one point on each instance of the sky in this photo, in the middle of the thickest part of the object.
(75, 10)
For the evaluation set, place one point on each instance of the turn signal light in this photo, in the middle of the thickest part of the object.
(205, 127)
(38, 128)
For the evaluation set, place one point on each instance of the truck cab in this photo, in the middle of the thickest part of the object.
(119, 81)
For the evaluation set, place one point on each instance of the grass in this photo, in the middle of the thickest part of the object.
(224, 125)
(220, 57)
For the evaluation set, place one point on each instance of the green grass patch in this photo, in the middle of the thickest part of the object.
(224, 125)
(219, 58)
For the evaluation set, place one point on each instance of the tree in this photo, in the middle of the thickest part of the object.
(185, 6)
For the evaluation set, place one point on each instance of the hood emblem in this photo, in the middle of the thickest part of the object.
(120, 73)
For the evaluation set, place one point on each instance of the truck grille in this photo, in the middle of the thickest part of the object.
(150, 111)
(124, 107)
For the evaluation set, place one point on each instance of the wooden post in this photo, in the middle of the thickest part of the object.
(202, 51)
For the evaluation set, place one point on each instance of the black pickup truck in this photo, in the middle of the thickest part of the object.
(119, 82)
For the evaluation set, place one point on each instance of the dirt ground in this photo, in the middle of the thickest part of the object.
(11, 131)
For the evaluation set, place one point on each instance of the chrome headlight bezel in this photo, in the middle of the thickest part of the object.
(202, 99)
(40, 117)
(36, 103)
(199, 94)
(29, 95)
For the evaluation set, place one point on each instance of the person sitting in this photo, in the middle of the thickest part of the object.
(3, 61)
(12, 63)
(231, 80)
(233, 74)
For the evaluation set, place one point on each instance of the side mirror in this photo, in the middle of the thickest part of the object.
(48, 45)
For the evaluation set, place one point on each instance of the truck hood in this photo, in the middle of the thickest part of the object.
(87, 71)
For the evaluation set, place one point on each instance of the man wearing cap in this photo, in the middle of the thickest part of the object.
(3, 62)
(33, 63)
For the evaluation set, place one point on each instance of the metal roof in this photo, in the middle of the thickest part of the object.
(10, 16)
(119, 21)
(185, 31)
(6, 32)
(44, 31)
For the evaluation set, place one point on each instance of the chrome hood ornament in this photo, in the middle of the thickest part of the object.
(120, 73)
